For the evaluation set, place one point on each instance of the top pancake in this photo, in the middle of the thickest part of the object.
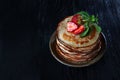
(75, 40)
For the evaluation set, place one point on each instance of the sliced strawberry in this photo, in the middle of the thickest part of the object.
(79, 30)
(76, 19)
(71, 26)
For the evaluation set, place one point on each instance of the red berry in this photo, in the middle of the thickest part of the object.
(75, 19)
(71, 26)
(79, 30)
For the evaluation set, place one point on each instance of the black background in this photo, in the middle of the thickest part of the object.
(25, 30)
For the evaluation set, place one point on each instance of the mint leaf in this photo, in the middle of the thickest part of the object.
(93, 18)
(85, 15)
(86, 31)
(98, 28)
(96, 20)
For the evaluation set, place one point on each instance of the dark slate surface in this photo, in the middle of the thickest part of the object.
(25, 29)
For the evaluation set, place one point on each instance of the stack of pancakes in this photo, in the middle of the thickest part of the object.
(75, 49)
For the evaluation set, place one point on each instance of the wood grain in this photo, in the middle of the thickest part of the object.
(25, 30)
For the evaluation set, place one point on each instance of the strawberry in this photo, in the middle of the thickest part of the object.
(76, 19)
(79, 30)
(71, 26)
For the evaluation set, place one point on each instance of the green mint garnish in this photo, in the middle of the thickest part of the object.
(89, 20)
(87, 28)
(98, 28)
(93, 18)
(85, 15)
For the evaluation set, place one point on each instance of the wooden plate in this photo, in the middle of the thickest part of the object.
(56, 55)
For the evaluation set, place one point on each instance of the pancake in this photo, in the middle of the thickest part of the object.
(72, 39)
(74, 48)
(83, 49)
(78, 56)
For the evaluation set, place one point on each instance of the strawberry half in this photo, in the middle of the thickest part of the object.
(71, 26)
(79, 30)
(76, 19)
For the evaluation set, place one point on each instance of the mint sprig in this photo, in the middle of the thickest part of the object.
(89, 20)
